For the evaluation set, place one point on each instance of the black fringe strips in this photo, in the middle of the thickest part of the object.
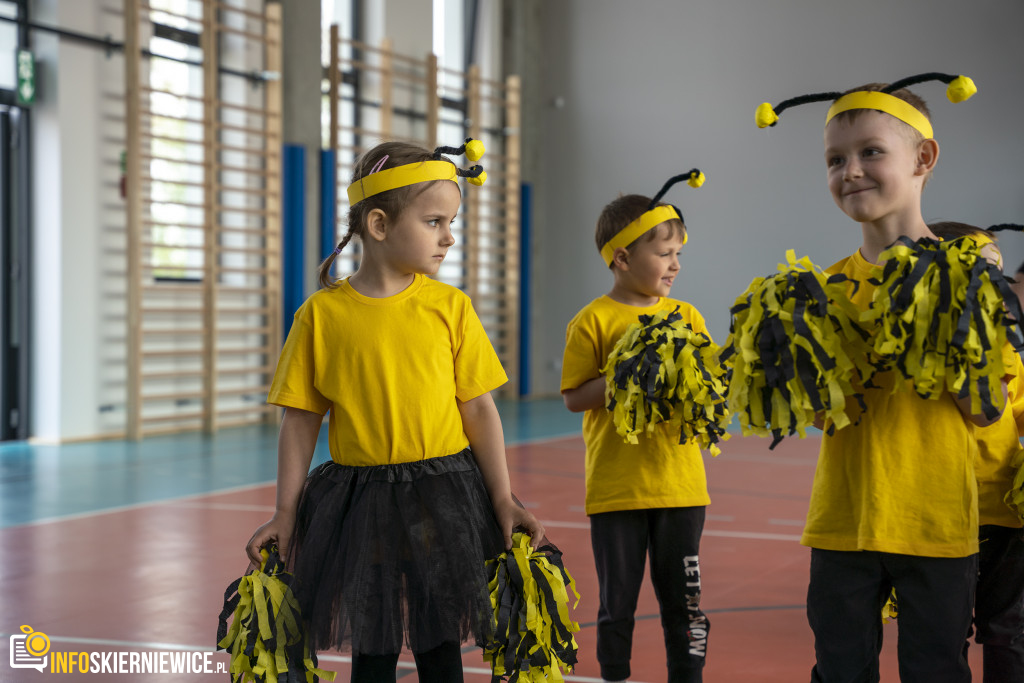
(943, 314)
(661, 370)
(1015, 496)
(795, 351)
(267, 639)
(529, 590)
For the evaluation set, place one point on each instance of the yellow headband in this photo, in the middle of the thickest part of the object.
(881, 101)
(634, 230)
(400, 176)
(437, 168)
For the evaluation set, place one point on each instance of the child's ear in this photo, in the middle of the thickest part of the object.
(927, 156)
(620, 258)
(376, 224)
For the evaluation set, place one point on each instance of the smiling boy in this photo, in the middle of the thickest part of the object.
(894, 500)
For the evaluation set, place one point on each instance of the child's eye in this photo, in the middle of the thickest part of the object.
(434, 222)
(834, 161)
(872, 151)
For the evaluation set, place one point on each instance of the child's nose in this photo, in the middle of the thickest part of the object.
(853, 169)
(447, 238)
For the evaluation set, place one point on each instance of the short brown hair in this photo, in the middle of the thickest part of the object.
(622, 211)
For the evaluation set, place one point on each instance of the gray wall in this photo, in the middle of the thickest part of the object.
(654, 87)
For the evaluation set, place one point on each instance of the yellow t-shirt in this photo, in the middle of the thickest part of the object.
(657, 472)
(389, 370)
(997, 444)
(902, 480)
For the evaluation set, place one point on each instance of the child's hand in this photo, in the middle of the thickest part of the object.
(511, 517)
(278, 530)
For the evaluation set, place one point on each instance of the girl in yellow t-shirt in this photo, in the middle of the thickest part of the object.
(388, 540)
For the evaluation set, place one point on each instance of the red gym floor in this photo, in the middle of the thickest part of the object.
(150, 577)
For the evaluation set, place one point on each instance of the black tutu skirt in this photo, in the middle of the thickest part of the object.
(393, 555)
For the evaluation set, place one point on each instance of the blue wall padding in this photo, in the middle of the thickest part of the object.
(328, 201)
(293, 231)
(525, 224)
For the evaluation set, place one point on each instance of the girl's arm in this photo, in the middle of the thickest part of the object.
(295, 444)
(483, 427)
(587, 396)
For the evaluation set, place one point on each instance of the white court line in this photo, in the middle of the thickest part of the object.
(565, 525)
(752, 534)
(217, 492)
(236, 507)
(756, 535)
(135, 506)
(787, 522)
(720, 518)
(143, 645)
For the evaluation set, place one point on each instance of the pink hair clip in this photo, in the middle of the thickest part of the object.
(379, 165)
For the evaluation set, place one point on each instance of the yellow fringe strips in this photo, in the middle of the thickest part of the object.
(533, 639)
(795, 351)
(267, 640)
(890, 610)
(661, 370)
(942, 314)
(1015, 496)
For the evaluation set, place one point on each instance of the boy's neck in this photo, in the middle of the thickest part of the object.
(631, 297)
(879, 235)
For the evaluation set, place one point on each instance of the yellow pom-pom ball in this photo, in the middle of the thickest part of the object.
(480, 179)
(696, 180)
(960, 89)
(474, 150)
(765, 115)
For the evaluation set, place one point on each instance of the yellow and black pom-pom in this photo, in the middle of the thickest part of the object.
(533, 639)
(661, 370)
(1015, 496)
(267, 639)
(890, 610)
(796, 352)
(943, 314)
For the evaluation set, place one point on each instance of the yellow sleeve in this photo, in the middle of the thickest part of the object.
(294, 384)
(477, 368)
(580, 361)
(1015, 393)
(697, 322)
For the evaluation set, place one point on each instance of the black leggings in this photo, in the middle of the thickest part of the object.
(443, 664)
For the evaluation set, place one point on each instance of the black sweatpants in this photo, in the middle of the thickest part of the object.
(999, 604)
(621, 541)
(443, 664)
(844, 601)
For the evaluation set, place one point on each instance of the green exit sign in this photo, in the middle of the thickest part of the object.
(26, 70)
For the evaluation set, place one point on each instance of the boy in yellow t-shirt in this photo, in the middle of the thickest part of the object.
(999, 600)
(649, 497)
(894, 501)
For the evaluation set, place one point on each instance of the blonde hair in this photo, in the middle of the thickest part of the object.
(904, 94)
